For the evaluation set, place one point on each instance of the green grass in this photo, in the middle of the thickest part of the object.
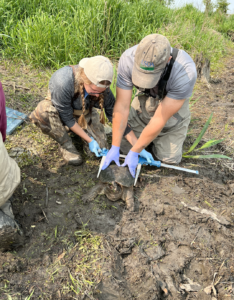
(208, 144)
(61, 32)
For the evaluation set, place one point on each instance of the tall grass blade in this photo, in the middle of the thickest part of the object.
(29, 297)
(207, 156)
(193, 102)
(200, 135)
(211, 143)
(114, 81)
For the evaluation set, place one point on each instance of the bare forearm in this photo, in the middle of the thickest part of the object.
(150, 132)
(166, 109)
(120, 119)
(79, 131)
(120, 115)
(119, 125)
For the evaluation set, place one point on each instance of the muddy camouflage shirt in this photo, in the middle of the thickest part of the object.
(61, 86)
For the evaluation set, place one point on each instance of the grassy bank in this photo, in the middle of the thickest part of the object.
(61, 32)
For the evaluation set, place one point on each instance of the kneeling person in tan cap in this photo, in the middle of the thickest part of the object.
(164, 78)
(73, 96)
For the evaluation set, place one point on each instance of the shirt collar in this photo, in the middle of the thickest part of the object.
(85, 93)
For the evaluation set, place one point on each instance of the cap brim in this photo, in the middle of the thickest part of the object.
(144, 80)
(83, 61)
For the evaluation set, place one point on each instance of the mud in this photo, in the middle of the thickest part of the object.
(165, 249)
(173, 245)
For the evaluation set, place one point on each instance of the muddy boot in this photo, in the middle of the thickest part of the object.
(46, 117)
(70, 154)
(7, 208)
(10, 231)
(95, 130)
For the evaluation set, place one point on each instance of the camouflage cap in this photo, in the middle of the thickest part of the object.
(97, 68)
(151, 57)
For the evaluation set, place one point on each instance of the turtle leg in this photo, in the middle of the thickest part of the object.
(92, 194)
(128, 197)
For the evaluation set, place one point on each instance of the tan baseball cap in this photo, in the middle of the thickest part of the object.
(97, 69)
(151, 57)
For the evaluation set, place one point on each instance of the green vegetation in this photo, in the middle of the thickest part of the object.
(222, 5)
(60, 32)
(208, 144)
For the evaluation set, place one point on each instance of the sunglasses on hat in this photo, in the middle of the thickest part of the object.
(143, 91)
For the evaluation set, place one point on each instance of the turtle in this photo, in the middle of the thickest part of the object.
(116, 183)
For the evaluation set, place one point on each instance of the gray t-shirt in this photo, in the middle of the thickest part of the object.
(181, 81)
(61, 86)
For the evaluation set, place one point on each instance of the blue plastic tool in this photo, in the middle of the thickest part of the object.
(14, 119)
(143, 161)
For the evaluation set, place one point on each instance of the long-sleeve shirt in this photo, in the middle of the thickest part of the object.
(3, 117)
(61, 86)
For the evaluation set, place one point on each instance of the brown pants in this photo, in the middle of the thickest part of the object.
(168, 145)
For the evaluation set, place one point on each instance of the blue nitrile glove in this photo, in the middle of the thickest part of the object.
(148, 156)
(132, 161)
(104, 152)
(112, 155)
(94, 147)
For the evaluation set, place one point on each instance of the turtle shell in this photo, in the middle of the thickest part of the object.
(121, 175)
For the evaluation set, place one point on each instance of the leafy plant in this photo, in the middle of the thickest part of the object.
(208, 144)
(222, 5)
(209, 6)
(57, 33)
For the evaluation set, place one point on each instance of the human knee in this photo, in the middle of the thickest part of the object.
(170, 158)
(40, 114)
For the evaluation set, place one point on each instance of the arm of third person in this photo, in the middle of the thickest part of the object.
(166, 109)
(120, 115)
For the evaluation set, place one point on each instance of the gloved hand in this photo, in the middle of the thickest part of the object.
(132, 161)
(112, 155)
(94, 147)
(148, 156)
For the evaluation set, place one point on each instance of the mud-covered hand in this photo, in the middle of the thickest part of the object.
(112, 155)
(147, 155)
(95, 148)
(132, 161)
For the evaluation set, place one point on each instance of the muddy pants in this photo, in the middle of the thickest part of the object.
(46, 117)
(168, 145)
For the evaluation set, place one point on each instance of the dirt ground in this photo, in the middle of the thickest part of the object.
(177, 244)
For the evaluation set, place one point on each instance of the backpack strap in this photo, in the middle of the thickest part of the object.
(163, 81)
